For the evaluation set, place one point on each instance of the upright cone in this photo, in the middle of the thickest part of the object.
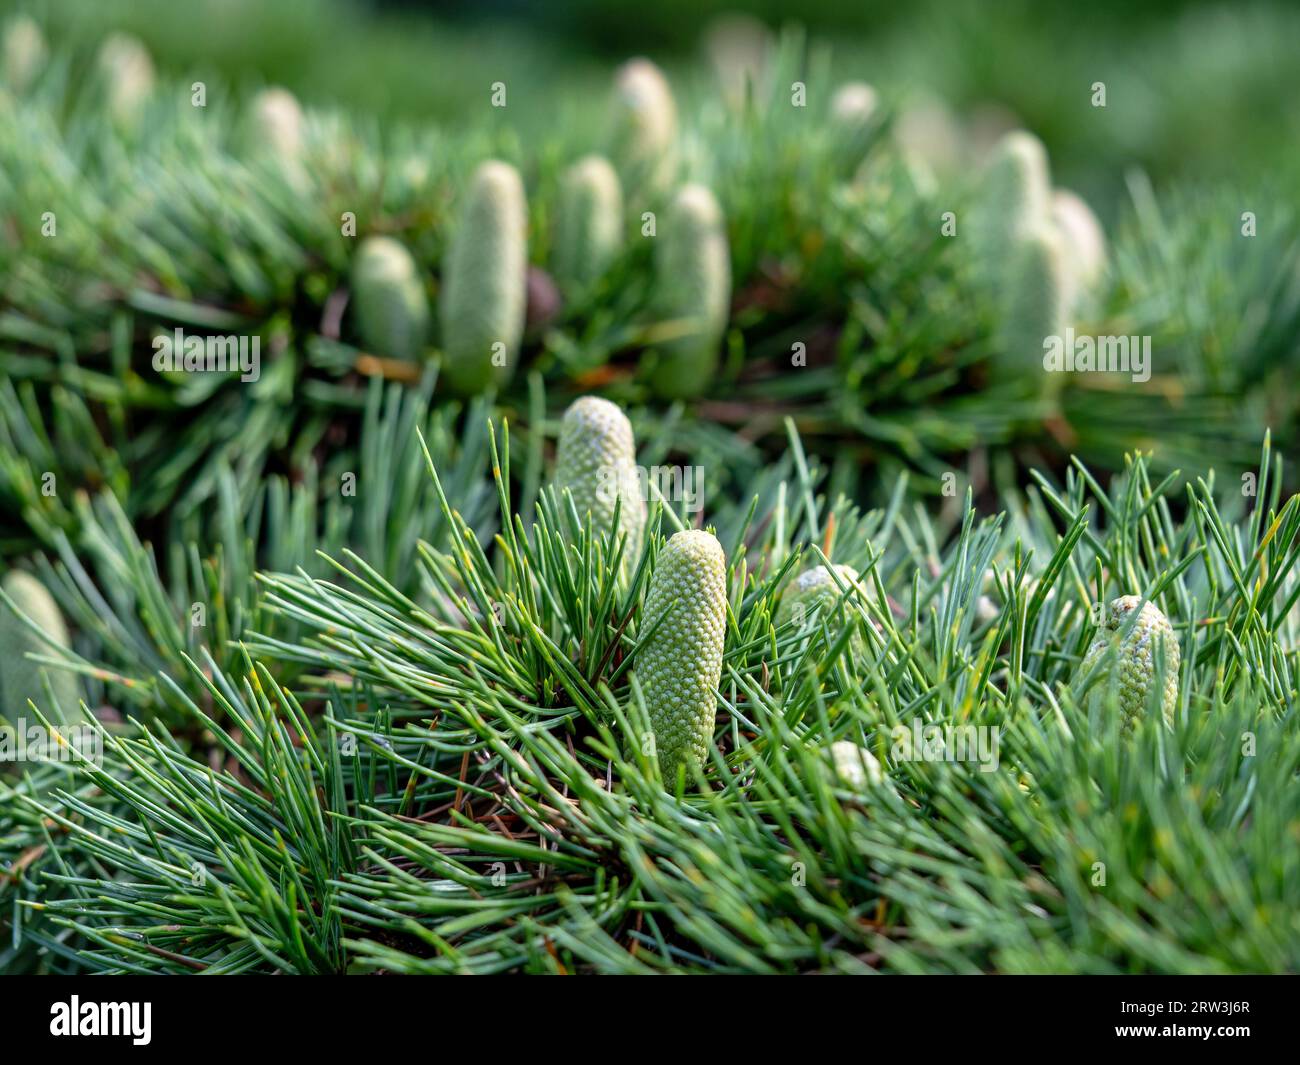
(1014, 198)
(20, 677)
(856, 768)
(817, 589)
(1083, 241)
(588, 223)
(484, 284)
(692, 290)
(680, 665)
(1034, 304)
(389, 305)
(1131, 653)
(23, 53)
(126, 73)
(596, 462)
(278, 123)
(643, 130)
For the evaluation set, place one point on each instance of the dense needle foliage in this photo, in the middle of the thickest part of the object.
(366, 681)
(455, 782)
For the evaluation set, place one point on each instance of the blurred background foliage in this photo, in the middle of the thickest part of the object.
(186, 228)
(1194, 89)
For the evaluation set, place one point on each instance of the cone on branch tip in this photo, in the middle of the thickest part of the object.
(23, 53)
(1083, 241)
(1128, 656)
(389, 306)
(484, 284)
(692, 291)
(680, 664)
(596, 462)
(20, 676)
(1034, 305)
(643, 130)
(1014, 198)
(127, 74)
(588, 223)
(278, 123)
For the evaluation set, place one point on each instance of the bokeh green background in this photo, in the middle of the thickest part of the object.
(1193, 90)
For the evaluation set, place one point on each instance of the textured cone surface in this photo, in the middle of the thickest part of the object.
(20, 677)
(390, 309)
(588, 223)
(693, 289)
(1033, 302)
(1082, 239)
(855, 767)
(278, 122)
(484, 284)
(1131, 660)
(127, 73)
(643, 129)
(816, 589)
(681, 664)
(1015, 199)
(24, 52)
(596, 460)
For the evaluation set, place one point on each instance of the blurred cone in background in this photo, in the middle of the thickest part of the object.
(739, 49)
(1034, 303)
(127, 76)
(389, 307)
(278, 123)
(1084, 241)
(693, 290)
(1014, 197)
(24, 53)
(588, 223)
(484, 281)
(20, 675)
(854, 116)
(643, 130)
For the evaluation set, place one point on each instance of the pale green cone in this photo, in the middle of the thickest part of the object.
(692, 290)
(389, 307)
(588, 223)
(643, 130)
(815, 589)
(20, 677)
(1014, 200)
(856, 768)
(680, 665)
(484, 282)
(596, 462)
(853, 105)
(1083, 241)
(126, 73)
(739, 48)
(1033, 306)
(1126, 662)
(278, 123)
(24, 52)
(853, 113)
